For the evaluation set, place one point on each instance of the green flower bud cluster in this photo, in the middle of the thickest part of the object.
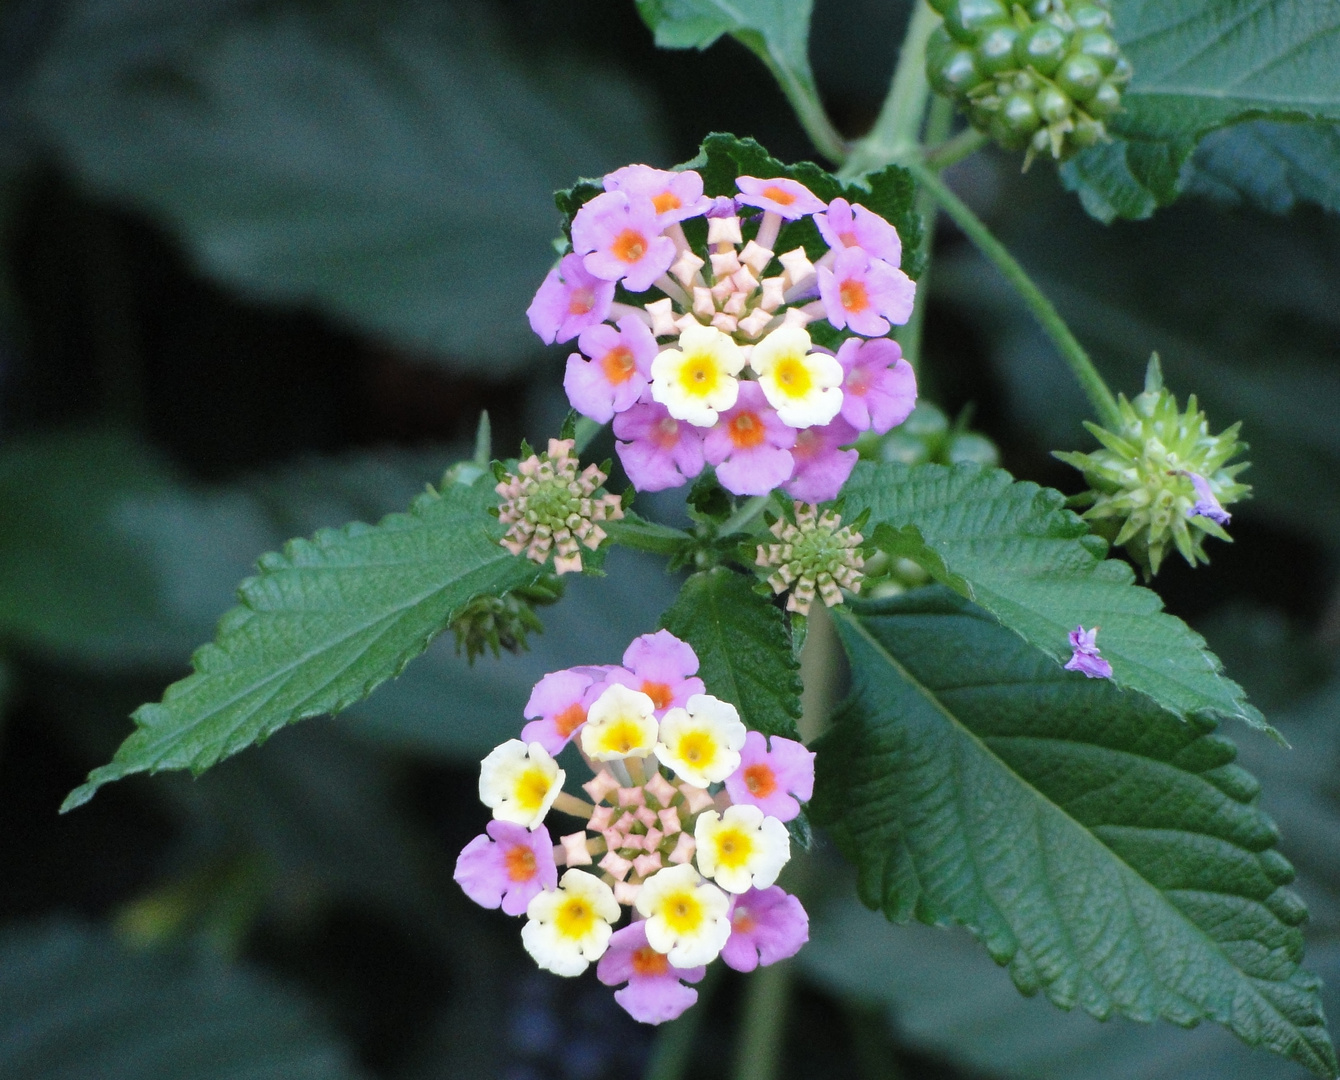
(502, 622)
(928, 436)
(1042, 75)
(1143, 493)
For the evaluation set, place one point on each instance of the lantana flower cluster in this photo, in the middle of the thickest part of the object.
(684, 831)
(716, 366)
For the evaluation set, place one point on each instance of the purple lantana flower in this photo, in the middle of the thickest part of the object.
(559, 703)
(568, 301)
(508, 867)
(786, 198)
(617, 372)
(661, 666)
(750, 446)
(674, 195)
(865, 293)
(658, 451)
(1085, 656)
(773, 779)
(845, 225)
(822, 466)
(879, 388)
(620, 239)
(655, 992)
(766, 925)
(1207, 506)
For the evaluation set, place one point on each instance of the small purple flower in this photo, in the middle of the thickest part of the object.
(845, 225)
(568, 301)
(864, 293)
(508, 867)
(559, 703)
(723, 206)
(1086, 657)
(620, 239)
(617, 372)
(661, 666)
(1207, 506)
(750, 446)
(879, 388)
(675, 195)
(658, 451)
(655, 992)
(783, 197)
(769, 779)
(822, 467)
(766, 925)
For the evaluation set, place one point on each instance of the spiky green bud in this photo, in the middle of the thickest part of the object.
(502, 622)
(1145, 478)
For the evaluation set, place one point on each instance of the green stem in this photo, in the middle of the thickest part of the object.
(763, 1024)
(669, 1059)
(899, 122)
(804, 98)
(967, 142)
(747, 511)
(1105, 405)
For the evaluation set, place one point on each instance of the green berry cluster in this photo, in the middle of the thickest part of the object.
(502, 622)
(1041, 75)
(928, 436)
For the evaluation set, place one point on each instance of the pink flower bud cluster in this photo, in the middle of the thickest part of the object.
(644, 827)
(738, 384)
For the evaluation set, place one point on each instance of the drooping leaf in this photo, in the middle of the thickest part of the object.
(1274, 166)
(1012, 548)
(76, 1004)
(392, 164)
(1200, 65)
(320, 626)
(742, 646)
(1105, 851)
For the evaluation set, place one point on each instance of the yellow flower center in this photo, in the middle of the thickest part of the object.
(697, 748)
(734, 846)
(793, 377)
(621, 737)
(682, 912)
(531, 788)
(574, 918)
(699, 374)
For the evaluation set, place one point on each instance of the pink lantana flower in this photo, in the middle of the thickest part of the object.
(1085, 656)
(864, 293)
(766, 925)
(822, 466)
(620, 239)
(658, 451)
(773, 779)
(675, 195)
(783, 197)
(559, 703)
(617, 372)
(568, 301)
(879, 387)
(750, 446)
(661, 666)
(508, 867)
(655, 992)
(845, 225)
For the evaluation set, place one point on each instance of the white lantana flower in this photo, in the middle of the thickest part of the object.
(741, 848)
(620, 724)
(519, 783)
(569, 927)
(697, 380)
(688, 918)
(702, 742)
(803, 386)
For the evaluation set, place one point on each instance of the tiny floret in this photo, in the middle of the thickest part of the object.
(742, 848)
(766, 925)
(619, 724)
(655, 992)
(802, 385)
(1206, 506)
(698, 380)
(786, 198)
(776, 780)
(701, 743)
(520, 782)
(1085, 656)
(687, 918)
(569, 927)
(816, 553)
(507, 867)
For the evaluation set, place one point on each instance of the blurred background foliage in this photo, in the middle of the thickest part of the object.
(264, 262)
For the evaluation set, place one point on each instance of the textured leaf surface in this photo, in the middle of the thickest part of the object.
(74, 1004)
(1106, 852)
(1013, 549)
(323, 623)
(1199, 65)
(743, 648)
(1272, 166)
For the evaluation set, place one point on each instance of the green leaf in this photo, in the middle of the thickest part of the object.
(1012, 548)
(392, 164)
(1273, 166)
(323, 623)
(1105, 851)
(1200, 65)
(742, 645)
(74, 1003)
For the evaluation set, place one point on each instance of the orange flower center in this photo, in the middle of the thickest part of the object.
(647, 961)
(778, 195)
(741, 921)
(853, 295)
(629, 246)
(570, 719)
(848, 239)
(581, 301)
(665, 201)
(746, 430)
(666, 433)
(520, 863)
(617, 364)
(760, 780)
(659, 693)
(857, 383)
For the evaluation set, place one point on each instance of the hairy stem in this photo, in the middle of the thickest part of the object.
(764, 1023)
(942, 154)
(804, 98)
(746, 513)
(1104, 404)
